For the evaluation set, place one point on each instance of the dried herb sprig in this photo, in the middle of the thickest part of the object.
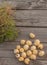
(8, 29)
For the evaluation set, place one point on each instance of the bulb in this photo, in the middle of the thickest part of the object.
(16, 51)
(32, 35)
(18, 46)
(22, 42)
(17, 55)
(29, 52)
(21, 59)
(40, 46)
(35, 52)
(28, 42)
(21, 49)
(27, 61)
(33, 57)
(23, 54)
(26, 47)
(37, 42)
(41, 53)
(33, 47)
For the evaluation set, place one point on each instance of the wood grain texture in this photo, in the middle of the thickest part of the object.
(30, 17)
(7, 48)
(27, 4)
(12, 45)
(10, 54)
(10, 61)
(29, 14)
(33, 22)
(41, 33)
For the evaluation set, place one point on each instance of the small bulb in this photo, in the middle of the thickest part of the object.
(29, 42)
(18, 46)
(23, 54)
(26, 47)
(32, 35)
(33, 47)
(22, 42)
(17, 55)
(29, 52)
(27, 61)
(21, 50)
(16, 51)
(40, 46)
(33, 57)
(41, 53)
(37, 42)
(21, 59)
(35, 52)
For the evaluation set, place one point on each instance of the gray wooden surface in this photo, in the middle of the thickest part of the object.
(30, 16)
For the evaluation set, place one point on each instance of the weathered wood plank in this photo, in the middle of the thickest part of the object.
(29, 14)
(10, 61)
(6, 54)
(27, 4)
(37, 22)
(11, 45)
(10, 54)
(31, 18)
(6, 50)
(14, 0)
(41, 33)
(39, 62)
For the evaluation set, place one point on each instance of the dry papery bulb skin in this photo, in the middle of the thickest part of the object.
(40, 46)
(28, 42)
(18, 47)
(27, 61)
(16, 51)
(23, 54)
(22, 42)
(41, 53)
(35, 52)
(26, 47)
(33, 47)
(17, 55)
(37, 42)
(29, 53)
(21, 49)
(33, 57)
(32, 35)
(21, 59)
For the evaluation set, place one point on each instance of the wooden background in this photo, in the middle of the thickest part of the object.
(30, 16)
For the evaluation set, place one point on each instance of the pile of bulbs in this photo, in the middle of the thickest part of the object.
(27, 51)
